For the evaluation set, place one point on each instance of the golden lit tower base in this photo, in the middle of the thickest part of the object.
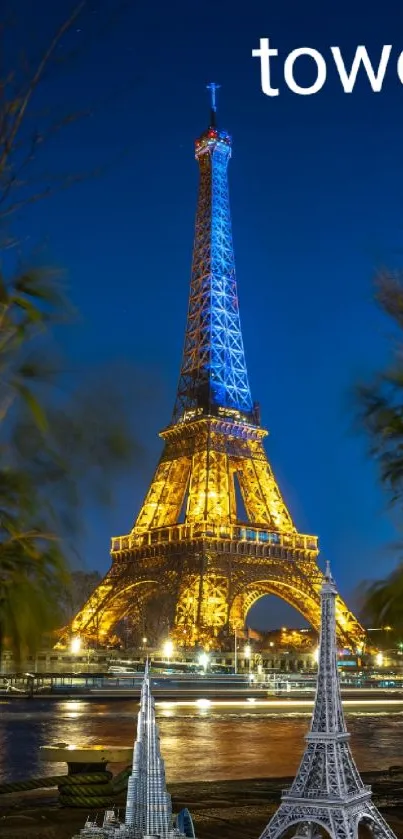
(190, 539)
(214, 568)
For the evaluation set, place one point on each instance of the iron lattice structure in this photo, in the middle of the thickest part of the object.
(190, 538)
(213, 374)
(328, 792)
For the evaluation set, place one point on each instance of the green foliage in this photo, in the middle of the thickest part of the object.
(380, 404)
(383, 607)
(381, 401)
(59, 447)
(62, 442)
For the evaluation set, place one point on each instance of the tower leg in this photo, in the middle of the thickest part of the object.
(339, 822)
(376, 823)
(202, 607)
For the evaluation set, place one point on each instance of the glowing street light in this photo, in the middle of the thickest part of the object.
(315, 655)
(75, 645)
(247, 653)
(204, 660)
(379, 659)
(144, 642)
(168, 649)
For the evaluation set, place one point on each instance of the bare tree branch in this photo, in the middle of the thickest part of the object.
(23, 135)
(20, 108)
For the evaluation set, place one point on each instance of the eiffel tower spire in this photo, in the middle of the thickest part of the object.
(213, 373)
(328, 791)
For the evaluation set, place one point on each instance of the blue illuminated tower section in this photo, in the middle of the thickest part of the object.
(213, 373)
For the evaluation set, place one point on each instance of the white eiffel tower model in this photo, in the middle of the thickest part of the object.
(328, 791)
(148, 804)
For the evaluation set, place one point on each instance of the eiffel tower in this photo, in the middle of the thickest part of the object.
(328, 793)
(190, 539)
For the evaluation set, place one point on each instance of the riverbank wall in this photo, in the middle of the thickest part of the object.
(237, 809)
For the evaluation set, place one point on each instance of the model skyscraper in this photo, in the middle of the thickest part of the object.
(148, 804)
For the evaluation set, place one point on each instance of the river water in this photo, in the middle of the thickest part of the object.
(197, 744)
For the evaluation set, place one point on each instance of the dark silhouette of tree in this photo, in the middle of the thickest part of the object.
(81, 586)
(58, 448)
(380, 410)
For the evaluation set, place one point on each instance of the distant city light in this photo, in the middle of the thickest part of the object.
(203, 703)
(379, 659)
(75, 645)
(204, 660)
(168, 649)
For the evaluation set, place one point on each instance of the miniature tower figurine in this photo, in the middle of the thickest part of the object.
(148, 804)
(328, 792)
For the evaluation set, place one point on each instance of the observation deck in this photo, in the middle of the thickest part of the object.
(238, 538)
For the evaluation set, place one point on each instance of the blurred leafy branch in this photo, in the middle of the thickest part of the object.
(380, 415)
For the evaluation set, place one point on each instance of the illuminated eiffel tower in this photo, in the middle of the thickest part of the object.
(189, 539)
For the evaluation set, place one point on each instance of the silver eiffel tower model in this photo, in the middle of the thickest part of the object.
(328, 792)
(148, 804)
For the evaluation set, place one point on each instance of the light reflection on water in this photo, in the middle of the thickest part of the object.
(198, 743)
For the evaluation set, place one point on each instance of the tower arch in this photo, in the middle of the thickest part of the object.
(105, 608)
(305, 602)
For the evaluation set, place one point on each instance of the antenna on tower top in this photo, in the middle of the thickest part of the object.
(213, 87)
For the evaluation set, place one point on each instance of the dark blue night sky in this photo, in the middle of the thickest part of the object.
(316, 188)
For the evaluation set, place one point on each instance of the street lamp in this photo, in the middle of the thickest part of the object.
(247, 653)
(168, 649)
(204, 660)
(379, 659)
(144, 642)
